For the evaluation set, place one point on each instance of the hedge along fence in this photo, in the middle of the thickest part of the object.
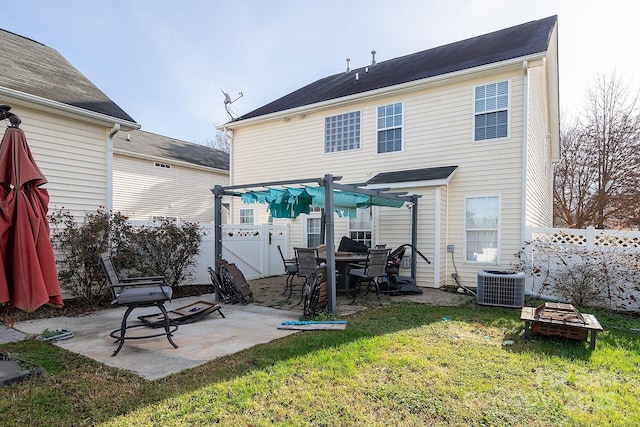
(599, 268)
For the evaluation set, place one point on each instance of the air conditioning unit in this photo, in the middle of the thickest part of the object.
(500, 288)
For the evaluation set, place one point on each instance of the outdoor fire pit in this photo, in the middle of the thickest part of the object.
(560, 320)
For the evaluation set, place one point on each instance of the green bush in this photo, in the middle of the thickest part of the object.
(169, 250)
(79, 245)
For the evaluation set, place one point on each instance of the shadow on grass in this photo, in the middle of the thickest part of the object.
(98, 393)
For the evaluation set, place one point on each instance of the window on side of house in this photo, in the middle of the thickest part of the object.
(491, 111)
(342, 132)
(313, 228)
(361, 227)
(246, 216)
(482, 219)
(390, 128)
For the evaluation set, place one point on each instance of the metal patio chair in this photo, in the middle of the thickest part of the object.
(307, 262)
(136, 292)
(291, 269)
(370, 272)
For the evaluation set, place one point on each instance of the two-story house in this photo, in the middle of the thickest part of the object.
(471, 127)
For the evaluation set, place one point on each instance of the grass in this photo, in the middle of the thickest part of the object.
(402, 365)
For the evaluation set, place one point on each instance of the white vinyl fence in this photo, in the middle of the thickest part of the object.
(253, 248)
(606, 264)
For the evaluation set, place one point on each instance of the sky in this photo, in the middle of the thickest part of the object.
(166, 63)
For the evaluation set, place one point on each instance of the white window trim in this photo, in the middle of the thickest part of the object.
(473, 113)
(324, 121)
(253, 216)
(374, 212)
(402, 126)
(305, 225)
(464, 230)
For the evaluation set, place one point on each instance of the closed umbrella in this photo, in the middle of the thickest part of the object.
(28, 276)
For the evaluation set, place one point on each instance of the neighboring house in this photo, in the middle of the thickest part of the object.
(68, 122)
(472, 127)
(158, 177)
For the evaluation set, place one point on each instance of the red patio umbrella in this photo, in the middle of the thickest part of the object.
(28, 276)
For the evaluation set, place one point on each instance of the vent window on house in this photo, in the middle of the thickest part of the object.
(162, 165)
(160, 218)
(342, 132)
(390, 128)
(491, 108)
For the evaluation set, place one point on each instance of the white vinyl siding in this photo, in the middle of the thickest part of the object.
(436, 132)
(142, 190)
(539, 189)
(72, 156)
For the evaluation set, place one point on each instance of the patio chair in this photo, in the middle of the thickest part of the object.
(221, 291)
(136, 292)
(235, 282)
(370, 272)
(291, 269)
(315, 293)
(307, 262)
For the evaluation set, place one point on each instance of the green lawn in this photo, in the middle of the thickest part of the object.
(403, 365)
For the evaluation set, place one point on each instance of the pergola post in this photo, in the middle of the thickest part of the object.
(414, 234)
(330, 243)
(217, 230)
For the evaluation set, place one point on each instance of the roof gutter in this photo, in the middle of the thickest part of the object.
(69, 109)
(377, 93)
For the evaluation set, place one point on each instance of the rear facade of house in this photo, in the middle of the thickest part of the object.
(471, 127)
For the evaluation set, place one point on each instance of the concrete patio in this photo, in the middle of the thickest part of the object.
(205, 340)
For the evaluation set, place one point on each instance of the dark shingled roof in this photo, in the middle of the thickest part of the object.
(151, 144)
(514, 42)
(412, 175)
(35, 69)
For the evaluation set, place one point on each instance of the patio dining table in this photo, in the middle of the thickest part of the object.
(343, 259)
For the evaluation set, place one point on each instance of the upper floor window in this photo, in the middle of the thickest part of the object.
(342, 132)
(491, 111)
(246, 216)
(481, 228)
(390, 128)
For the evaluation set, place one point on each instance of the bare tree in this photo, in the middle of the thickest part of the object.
(220, 141)
(596, 181)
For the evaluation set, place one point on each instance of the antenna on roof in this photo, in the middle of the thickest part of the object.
(227, 104)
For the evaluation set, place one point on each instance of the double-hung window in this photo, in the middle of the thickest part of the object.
(481, 229)
(313, 228)
(342, 132)
(390, 128)
(491, 109)
(246, 216)
(360, 227)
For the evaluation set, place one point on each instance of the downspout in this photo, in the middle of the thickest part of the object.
(525, 149)
(109, 201)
